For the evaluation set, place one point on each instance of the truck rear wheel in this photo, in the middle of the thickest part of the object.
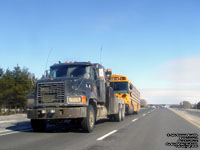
(38, 125)
(136, 112)
(88, 122)
(130, 110)
(118, 116)
(123, 112)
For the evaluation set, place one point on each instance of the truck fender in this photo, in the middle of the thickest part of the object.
(91, 95)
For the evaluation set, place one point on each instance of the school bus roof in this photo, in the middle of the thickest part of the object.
(119, 78)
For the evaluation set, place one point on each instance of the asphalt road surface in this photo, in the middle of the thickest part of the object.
(146, 131)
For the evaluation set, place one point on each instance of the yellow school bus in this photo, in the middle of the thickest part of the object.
(125, 90)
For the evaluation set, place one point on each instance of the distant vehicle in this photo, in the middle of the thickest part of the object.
(78, 91)
(125, 90)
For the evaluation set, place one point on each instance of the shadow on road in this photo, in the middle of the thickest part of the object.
(67, 126)
(25, 126)
(18, 126)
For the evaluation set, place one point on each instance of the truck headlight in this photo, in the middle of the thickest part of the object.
(30, 102)
(81, 99)
(74, 99)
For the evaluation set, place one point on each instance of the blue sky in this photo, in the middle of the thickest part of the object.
(140, 39)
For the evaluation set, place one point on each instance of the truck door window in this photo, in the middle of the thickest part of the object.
(93, 74)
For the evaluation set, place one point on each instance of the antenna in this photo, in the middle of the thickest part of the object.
(48, 58)
(101, 54)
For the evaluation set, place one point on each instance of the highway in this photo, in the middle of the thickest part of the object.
(146, 131)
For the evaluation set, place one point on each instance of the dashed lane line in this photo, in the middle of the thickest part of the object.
(106, 135)
(134, 119)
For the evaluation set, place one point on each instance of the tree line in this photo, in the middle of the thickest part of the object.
(15, 84)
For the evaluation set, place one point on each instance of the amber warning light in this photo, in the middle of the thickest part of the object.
(118, 78)
(83, 98)
(123, 78)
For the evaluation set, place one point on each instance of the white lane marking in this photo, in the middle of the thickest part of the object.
(106, 135)
(134, 119)
(7, 121)
(5, 130)
(143, 114)
(15, 132)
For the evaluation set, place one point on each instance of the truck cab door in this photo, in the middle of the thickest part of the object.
(101, 88)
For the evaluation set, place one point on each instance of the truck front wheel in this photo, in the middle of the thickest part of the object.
(38, 125)
(88, 122)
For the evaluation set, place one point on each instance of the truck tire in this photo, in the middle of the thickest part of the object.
(130, 110)
(136, 112)
(111, 118)
(118, 116)
(38, 125)
(89, 122)
(123, 112)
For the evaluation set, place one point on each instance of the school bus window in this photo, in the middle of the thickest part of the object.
(119, 87)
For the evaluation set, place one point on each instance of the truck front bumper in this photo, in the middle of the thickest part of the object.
(57, 113)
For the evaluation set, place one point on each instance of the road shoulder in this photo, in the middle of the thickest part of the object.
(195, 120)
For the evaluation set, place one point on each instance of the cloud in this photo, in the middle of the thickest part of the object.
(170, 96)
(182, 77)
(185, 71)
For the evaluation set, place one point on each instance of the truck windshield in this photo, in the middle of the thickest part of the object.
(70, 71)
(120, 87)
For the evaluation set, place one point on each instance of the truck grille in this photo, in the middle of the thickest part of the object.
(50, 92)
